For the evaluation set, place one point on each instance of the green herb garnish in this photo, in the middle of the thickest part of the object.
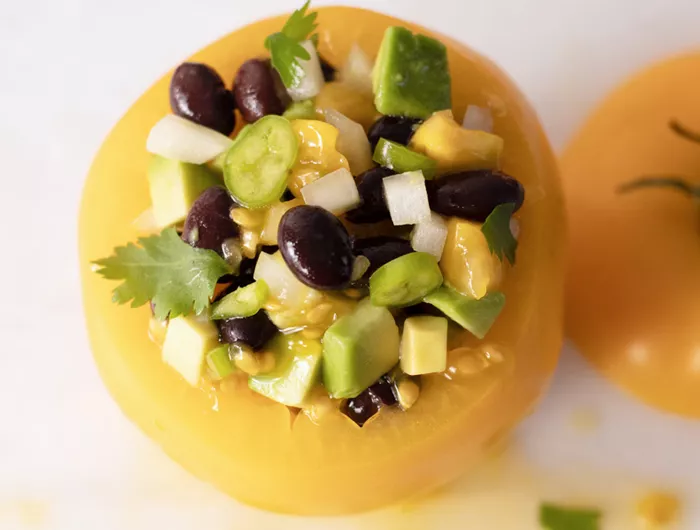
(285, 46)
(554, 517)
(178, 279)
(496, 228)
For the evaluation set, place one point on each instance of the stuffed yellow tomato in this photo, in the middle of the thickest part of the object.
(339, 317)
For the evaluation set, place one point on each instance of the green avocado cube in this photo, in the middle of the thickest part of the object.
(358, 349)
(188, 340)
(424, 345)
(174, 187)
(411, 76)
(297, 370)
(476, 316)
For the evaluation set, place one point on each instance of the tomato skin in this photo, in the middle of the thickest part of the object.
(633, 284)
(250, 447)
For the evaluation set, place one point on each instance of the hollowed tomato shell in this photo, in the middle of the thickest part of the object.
(251, 447)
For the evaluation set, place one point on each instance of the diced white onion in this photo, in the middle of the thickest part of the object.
(283, 285)
(430, 235)
(478, 119)
(146, 222)
(336, 192)
(352, 141)
(515, 228)
(180, 139)
(407, 198)
(357, 70)
(312, 80)
(359, 267)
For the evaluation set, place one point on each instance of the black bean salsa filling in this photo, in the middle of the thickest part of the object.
(317, 231)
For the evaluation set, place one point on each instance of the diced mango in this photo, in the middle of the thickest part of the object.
(273, 215)
(346, 99)
(467, 263)
(317, 153)
(454, 148)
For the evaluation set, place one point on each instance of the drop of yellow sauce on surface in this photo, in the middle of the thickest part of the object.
(633, 282)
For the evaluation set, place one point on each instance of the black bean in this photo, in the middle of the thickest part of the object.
(380, 250)
(329, 71)
(398, 129)
(361, 408)
(383, 390)
(199, 94)
(208, 222)
(316, 247)
(253, 331)
(243, 278)
(473, 195)
(373, 208)
(259, 91)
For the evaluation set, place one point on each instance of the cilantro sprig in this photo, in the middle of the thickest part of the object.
(553, 517)
(496, 228)
(164, 269)
(285, 46)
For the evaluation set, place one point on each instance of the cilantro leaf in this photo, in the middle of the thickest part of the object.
(554, 517)
(496, 228)
(284, 54)
(300, 24)
(164, 269)
(285, 46)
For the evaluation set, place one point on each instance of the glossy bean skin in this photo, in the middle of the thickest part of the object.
(398, 129)
(259, 90)
(363, 407)
(316, 247)
(253, 331)
(329, 71)
(373, 208)
(472, 195)
(208, 223)
(199, 94)
(379, 251)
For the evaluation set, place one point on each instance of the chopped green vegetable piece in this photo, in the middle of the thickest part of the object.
(411, 76)
(554, 517)
(220, 363)
(405, 281)
(358, 349)
(218, 164)
(301, 110)
(243, 302)
(402, 159)
(285, 46)
(496, 228)
(257, 165)
(165, 270)
(188, 339)
(476, 316)
(297, 369)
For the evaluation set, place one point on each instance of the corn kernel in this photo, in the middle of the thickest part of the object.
(657, 509)
(353, 293)
(249, 243)
(319, 313)
(245, 359)
(312, 333)
(248, 218)
(408, 392)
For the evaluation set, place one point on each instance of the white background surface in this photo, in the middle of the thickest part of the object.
(68, 459)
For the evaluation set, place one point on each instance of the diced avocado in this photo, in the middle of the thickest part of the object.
(174, 187)
(424, 345)
(411, 76)
(220, 363)
(297, 369)
(358, 349)
(187, 342)
(455, 148)
(476, 316)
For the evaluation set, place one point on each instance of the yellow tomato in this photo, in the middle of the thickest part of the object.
(317, 153)
(633, 284)
(258, 450)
